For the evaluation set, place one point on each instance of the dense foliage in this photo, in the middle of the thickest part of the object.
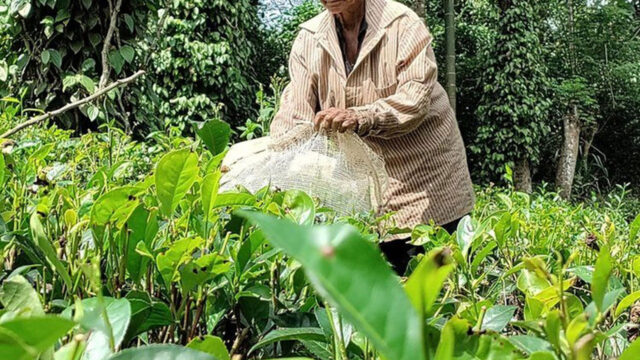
(513, 113)
(116, 243)
(110, 244)
(204, 63)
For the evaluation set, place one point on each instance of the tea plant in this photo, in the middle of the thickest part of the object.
(117, 249)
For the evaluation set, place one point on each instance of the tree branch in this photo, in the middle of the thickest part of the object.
(73, 105)
(106, 69)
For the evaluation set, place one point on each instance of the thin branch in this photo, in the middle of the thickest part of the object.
(106, 69)
(73, 105)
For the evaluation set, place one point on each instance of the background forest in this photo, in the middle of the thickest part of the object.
(115, 116)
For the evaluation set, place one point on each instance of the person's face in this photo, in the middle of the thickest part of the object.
(336, 7)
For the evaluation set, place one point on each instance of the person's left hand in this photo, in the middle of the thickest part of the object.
(336, 119)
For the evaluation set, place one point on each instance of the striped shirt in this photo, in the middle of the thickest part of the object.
(403, 112)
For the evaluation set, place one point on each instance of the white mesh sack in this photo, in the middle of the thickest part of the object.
(339, 169)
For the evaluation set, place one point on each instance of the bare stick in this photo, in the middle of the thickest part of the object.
(106, 69)
(73, 105)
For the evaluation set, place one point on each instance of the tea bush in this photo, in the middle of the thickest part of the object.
(116, 249)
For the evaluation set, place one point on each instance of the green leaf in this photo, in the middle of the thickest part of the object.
(46, 246)
(530, 344)
(178, 254)
(601, 275)
(634, 229)
(13, 347)
(161, 352)
(56, 58)
(425, 283)
(205, 268)
(209, 192)
(3, 169)
(497, 317)
(127, 53)
(465, 235)
(552, 328)
(626, 302)
(71, 351)
(39, 333)
(87, 3)
(116, 60)
(129, 21)
(90, 316)
(19, 297)
(234, 199)
(447, 343)
(95, 39)
(175, 174)
(93, 112)
(25, 9)
(632, 352)
(115, 206)
(215, 135)
(300, 205)
(298, 334)
(144, 227)
(351, 274)
(45, 56)
(211, 345)
(146, 314)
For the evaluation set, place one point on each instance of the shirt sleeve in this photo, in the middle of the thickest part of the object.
(417, 75)
(299, 99)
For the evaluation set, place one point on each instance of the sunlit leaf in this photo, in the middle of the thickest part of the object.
(175, 174)
(351, 274)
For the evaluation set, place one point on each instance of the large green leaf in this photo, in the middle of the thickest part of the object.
(161, 352)
(175, 174)
(209, 192)
(497, 317)
(211, 345)
(146, 314)
(351, 274)
(298, 334)
(425, 283)
(19, 297)
(530, 344)
(115, 206)
(13, 347)
(632, 352)
(447, 343)
(178, 254)
(143, 226)
(601, 275)
(215, 135)
(300, 205)
(234, 199)
(626, 302)
(42, 241)
(37, 333)
(90, 315)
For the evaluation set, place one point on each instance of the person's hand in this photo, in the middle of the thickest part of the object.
(334, 119)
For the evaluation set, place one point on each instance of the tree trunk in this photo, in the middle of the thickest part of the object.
(522, 176)
(569, 154)
(451, 51)
(566, 170)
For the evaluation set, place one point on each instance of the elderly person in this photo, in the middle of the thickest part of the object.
(367, 66)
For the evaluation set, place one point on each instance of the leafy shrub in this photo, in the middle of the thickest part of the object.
(205, 64)
(51, 53)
